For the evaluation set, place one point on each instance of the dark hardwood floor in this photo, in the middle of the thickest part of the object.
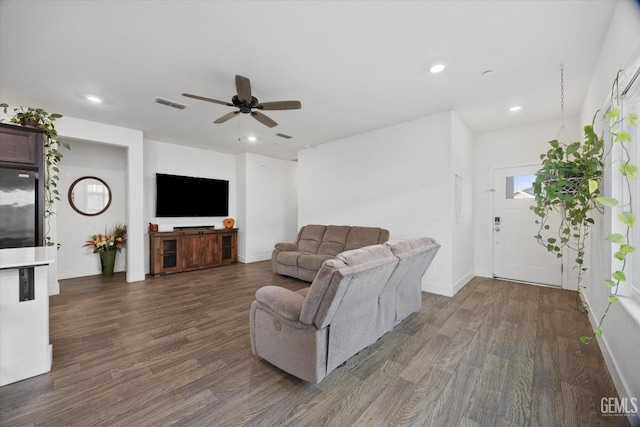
(176, 350)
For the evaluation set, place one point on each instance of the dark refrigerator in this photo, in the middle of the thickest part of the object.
(18, 208)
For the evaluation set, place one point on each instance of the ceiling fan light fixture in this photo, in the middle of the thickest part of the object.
(93, 98)
(437, 68)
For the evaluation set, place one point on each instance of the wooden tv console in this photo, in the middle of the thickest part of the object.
(191, 249)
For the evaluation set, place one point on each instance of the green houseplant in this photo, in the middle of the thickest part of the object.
(40, 119)
(570, 183)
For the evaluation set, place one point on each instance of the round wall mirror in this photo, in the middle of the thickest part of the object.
(89, 196)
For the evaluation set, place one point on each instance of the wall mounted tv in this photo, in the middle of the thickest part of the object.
(185, 196)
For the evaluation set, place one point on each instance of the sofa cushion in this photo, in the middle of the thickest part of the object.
(398, 246)
(401, 246)
(350, 263)
(362, 236)
(362, 255)
(334, 239)
(312, 261)
(288, 258)
(316, 292)
(311, 237)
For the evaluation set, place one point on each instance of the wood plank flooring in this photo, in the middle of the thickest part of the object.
(175, 350)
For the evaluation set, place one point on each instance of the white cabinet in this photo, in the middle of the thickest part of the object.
(25, 350)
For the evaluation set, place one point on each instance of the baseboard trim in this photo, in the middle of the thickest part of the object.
(481, 272)
(254, 258)
(463, 281)
(611, 363)
(54, 288)
(448, 291)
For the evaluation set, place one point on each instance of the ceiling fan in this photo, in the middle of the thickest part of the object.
(247, 104)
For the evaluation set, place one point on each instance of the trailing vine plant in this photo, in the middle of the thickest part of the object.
(618, 121)
(40, 119)
(569, 183)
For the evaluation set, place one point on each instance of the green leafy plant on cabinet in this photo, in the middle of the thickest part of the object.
(40, 119)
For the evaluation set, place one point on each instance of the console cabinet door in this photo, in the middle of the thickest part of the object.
(192, 251)
(227, 243)
(208, 249)
(165, 253)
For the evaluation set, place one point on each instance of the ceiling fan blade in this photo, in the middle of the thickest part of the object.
(202, 98)
(227, 117)
(243, 85)
(280, 105)
(264, 119)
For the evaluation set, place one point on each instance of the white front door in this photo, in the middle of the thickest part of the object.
(516, 253)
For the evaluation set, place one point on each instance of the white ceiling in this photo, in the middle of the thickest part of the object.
(355, 65)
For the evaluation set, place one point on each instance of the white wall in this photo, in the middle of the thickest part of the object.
(107, 163)
(508, 147)
(267, 205)
(131, 141)
(620, 342)
(462, 142)
(263, 188)
(620, 46)
(399, 178)
(161, 157)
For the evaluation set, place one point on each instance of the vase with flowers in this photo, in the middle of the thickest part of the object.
(107, 245)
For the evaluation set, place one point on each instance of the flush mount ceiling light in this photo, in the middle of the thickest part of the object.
(437, 68)
(515, 108)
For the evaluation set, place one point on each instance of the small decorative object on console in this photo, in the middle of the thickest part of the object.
(228, 222)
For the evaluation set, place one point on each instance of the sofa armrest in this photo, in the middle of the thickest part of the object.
(286, 246)
(283, 302)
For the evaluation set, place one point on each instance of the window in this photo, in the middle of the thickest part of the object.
(520, 187)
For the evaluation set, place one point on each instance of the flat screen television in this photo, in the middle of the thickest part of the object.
(186, 196)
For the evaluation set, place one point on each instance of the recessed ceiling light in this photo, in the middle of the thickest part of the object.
(94, 98)
(515, 108)
(437, 68)
(252, 138)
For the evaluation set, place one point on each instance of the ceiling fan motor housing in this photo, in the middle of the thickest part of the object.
(244, 108)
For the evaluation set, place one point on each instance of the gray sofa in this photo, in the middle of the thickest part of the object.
(354, 299)
(317, 243)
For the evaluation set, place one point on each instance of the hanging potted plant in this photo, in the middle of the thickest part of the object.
(39, 119)
(569, 185)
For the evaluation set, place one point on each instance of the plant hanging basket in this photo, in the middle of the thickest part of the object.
(571, 186)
